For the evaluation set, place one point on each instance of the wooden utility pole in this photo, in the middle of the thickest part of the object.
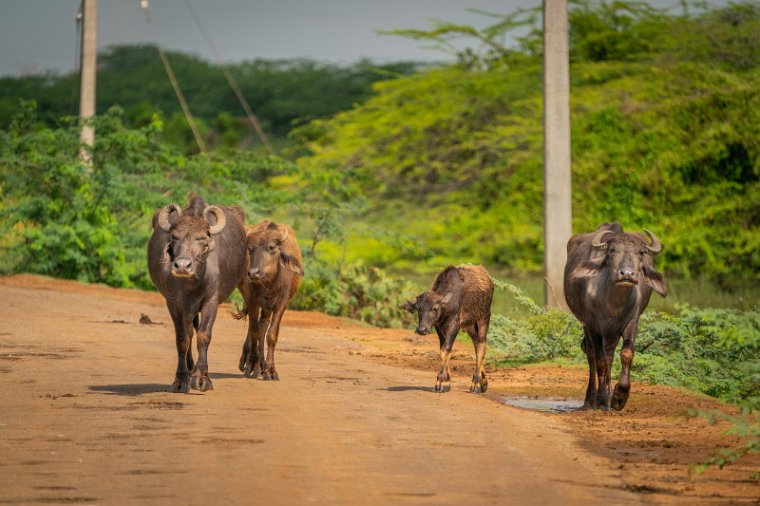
(557, 174)
(88, 73)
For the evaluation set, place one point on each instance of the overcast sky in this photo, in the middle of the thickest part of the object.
(40, 35)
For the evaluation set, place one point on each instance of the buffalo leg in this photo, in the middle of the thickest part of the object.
(257, 352)
(480, 352)
(446, 336)
(249, 361)
(478, 333)
(604, 357)
(189, 355)
(623, 386)
(243, 364)
(183, 339)
(270, 371)
(588, 347)
(443, 380)
(200, 379)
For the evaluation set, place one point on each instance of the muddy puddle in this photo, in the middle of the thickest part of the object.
(544, 404)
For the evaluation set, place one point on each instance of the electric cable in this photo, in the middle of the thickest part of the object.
(231, 81)
(173, 79)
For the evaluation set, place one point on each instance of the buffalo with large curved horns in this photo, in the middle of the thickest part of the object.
(609, 278)
(196, 257)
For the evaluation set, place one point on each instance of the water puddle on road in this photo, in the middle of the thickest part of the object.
(544, 404)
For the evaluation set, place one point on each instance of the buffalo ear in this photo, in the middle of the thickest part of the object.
(655, 280)
(587, 269)
(410, 305)
(292, 264)
(447, 298)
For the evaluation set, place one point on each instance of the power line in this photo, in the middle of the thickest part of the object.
(231, 80)
(173, 79)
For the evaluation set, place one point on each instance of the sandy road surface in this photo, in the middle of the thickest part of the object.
(85, 419)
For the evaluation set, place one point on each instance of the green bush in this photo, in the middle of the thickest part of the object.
(355, 291)
(713, 351)
(91, 222)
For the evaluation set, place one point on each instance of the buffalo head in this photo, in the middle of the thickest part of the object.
(190, 239)
(628, 259)
(267, 253)
(428, 306)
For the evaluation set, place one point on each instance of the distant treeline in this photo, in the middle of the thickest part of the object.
(282, 93)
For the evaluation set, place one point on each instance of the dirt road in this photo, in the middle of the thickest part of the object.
(85, 418)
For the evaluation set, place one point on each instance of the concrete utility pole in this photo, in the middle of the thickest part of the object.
(557, 175)
(88, 72)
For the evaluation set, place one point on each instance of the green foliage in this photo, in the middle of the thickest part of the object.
(64, 218)
(540, 336)
(665, 137)
(745, 425)
(713, 351)
(355, 291)
(63, 226)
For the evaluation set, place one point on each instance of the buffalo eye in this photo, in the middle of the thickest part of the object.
(271, 248)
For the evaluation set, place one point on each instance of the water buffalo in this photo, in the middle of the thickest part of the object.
(273, 260)
(196, 257)
(460, 299)
(609, 278)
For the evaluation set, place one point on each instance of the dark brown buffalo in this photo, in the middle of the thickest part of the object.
(196, 257)
(460, 299)
(609, 277)
(273, 259)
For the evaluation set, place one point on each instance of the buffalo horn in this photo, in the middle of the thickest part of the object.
(597, 242)
(221, 220)
(163, 216)
(284, 234)
(656, 245)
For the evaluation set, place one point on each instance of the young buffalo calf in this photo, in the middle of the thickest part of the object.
(274, 268)
(460, 299)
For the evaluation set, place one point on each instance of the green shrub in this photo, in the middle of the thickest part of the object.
(355, 291)
(713, 351)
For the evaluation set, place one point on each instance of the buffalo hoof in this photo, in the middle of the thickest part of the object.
(619, 399)
(242, 365)
(270, 376)
(479, 385)
(179, 387)
(442, 387)
(252, 372)
(603, 407)
(201, 383)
